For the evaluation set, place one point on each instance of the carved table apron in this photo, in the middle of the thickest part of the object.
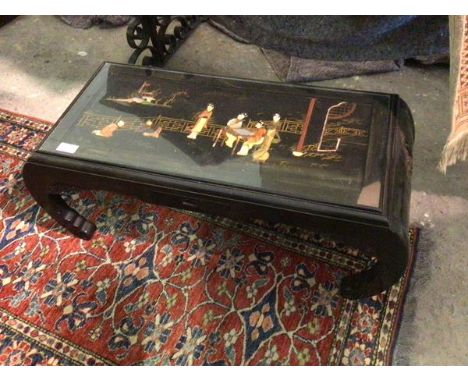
(337, 162)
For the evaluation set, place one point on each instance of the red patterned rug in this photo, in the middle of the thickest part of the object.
(159, 286)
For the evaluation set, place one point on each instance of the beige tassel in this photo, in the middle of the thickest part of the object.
(456, 147)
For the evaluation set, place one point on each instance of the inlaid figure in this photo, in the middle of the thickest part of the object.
(254, 140)
(202, 121)
(156, 131)
(271, 137)
(109, 130)
(231, 127)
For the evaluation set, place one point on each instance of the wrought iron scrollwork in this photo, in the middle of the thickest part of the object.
(160, 35)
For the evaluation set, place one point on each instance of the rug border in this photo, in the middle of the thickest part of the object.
(39, 120)
(60, 339)
(404, 291)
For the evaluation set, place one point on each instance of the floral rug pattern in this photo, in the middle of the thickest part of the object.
(157, 286)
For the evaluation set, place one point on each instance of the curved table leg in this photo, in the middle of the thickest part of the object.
(392, 253)
(47, 195)
(390, 247)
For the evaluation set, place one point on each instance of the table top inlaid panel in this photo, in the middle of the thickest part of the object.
(302, 142)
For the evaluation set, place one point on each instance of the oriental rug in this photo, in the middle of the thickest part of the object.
(158, 286)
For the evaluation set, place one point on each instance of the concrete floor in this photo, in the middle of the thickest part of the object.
(44, 63)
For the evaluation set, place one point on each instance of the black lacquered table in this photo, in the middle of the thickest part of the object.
(337, 162)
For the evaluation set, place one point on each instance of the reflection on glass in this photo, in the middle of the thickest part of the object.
(271, 138)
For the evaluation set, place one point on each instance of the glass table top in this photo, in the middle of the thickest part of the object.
(302, 142)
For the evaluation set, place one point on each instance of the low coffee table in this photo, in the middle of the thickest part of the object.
(337, 162)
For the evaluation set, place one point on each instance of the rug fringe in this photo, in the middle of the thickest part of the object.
(456, 149)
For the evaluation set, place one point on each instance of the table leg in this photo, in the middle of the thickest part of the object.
(47, 194)
(392, 253)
